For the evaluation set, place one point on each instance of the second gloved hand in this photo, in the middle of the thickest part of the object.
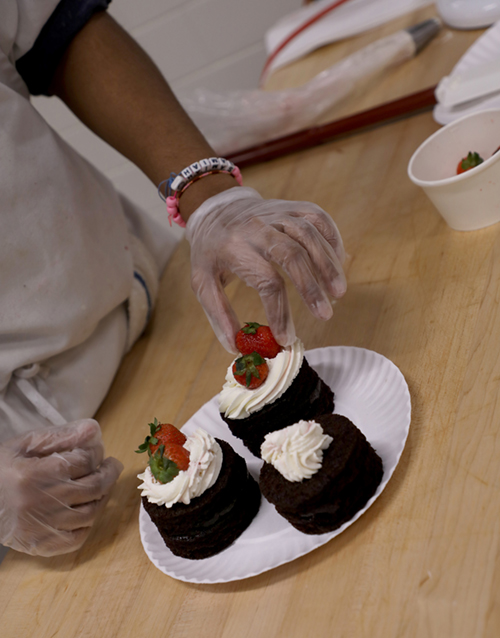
(53, 483)
(239, 233)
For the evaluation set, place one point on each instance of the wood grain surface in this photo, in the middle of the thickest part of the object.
(424, 561)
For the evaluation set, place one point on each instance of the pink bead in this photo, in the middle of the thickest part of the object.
(173, 212)
(236, 173)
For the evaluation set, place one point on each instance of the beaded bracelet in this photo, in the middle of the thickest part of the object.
(177, 184)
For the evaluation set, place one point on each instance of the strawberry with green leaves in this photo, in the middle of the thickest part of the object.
(167, 456)
(166, 464)
(471, 161)
(250, 370)
(254, 337)
(165, 433)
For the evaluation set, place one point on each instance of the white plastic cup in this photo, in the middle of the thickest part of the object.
(471, 200)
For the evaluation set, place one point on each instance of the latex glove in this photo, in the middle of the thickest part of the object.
(53, 483)
(239, 233)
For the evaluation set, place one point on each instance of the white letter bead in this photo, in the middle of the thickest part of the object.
(178, 183)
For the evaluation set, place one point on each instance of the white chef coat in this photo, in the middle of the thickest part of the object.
(79, 264)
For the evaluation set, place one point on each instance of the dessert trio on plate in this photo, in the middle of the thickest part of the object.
(318, 470)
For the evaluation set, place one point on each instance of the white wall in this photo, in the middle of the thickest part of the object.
(217, 44)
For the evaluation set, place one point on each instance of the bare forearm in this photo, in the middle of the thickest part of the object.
(111, 84)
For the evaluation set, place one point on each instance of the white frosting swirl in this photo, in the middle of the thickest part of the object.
(296, 451)
(237, 402)
(205, 461)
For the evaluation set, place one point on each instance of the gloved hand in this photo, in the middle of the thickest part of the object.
(239, 233)
(53, 483)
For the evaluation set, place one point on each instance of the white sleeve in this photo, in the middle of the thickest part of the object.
(70, 268)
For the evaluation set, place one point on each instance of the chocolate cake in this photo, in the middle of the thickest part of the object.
(214, 520)
(350, 473)
(306, 397)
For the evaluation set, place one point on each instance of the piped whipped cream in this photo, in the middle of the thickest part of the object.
(205, 462)
(297, 450)
(237, 402)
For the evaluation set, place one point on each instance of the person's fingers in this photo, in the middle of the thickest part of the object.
(59, 519)
(71, 464)
(251, 261)
(217, 308)
(258, 273)
(79, 516)
(94, 486)
(38, 533)
(47, 483)
(279, 316)
(77, 434)
(55, 494)
(318, 234)
(318, 218)
(325, 262)
(295, 261)
(249, 237)
(55, 542)
(328, 229)
(51, 494)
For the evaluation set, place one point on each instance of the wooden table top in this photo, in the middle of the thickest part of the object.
(424, 560)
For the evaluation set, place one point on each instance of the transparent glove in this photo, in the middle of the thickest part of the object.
(239, 233)
(53, 484)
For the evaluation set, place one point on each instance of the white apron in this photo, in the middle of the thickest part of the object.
(79, 264)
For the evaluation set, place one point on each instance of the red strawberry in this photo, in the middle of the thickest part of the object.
(256, 338)
(251, 370)
(178, 454)
(167, 456)
(166, 435)
(168, 461)
(471, 161)
(161, 434)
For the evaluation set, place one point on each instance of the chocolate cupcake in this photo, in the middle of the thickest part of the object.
(292, 391)
(318, 474)
(203, 509)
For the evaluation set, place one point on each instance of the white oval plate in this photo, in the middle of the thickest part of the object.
(369, 390)
(485, 49)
